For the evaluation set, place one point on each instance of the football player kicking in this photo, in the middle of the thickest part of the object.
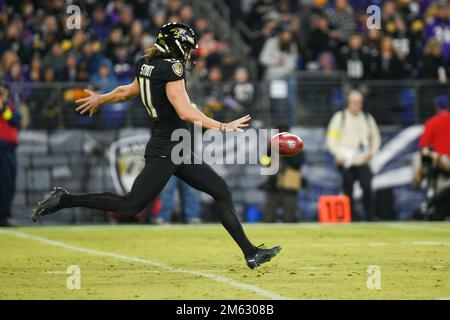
(160, 82)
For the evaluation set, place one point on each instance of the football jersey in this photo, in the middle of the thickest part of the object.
(152, 76)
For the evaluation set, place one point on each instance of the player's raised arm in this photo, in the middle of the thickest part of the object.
(94, 101)
(178, 97)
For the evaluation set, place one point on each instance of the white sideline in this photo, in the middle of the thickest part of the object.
(166, 267)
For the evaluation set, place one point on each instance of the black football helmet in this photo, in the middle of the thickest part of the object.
(177, 40)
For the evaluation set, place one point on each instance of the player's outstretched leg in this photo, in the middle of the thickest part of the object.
(146, 187)
(204, 178)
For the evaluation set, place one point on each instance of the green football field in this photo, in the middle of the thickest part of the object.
(202, 262)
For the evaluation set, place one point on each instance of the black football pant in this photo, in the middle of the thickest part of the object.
(363, 174)
(151, 181)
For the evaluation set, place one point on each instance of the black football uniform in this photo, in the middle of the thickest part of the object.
(152, 76)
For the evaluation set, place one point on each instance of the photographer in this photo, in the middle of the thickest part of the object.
(434, 172)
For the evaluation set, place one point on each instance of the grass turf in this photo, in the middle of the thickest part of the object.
(317, 262)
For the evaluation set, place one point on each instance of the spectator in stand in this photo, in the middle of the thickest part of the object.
(15, 73)
(214, 94)
(34, 73)
(342, 21)
(186, 15)
(9, 125)
(104, 78)
(55, 59)
(259, 9)
(146, 41)
(99, 27)
(90, 58)
(9, 57)
(330, 96)
(13, 40)
(438, 27)
(158, 20)
(320, 39)
(113, 115)
(388, 13)
(228, 64)
(403, 43)
(280, 57)
(77, 41)
(270, 24)
(49, 34)
(372, 44)
(174, 7)
(434, 65)
(241, 94)
(17, 93)
(209, 48)
(353, 139)
(354, 59)
(326, 62)
(126, 17)
(389, 65)
(114, 41)
(309, 11)
(123, 65)
(70, 72)
(201, 24)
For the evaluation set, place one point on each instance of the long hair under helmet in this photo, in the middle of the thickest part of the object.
(177, 40)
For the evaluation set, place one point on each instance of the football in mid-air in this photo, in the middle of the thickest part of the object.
(286, 144)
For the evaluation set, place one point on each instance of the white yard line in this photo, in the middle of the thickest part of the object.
(163, 266)
(426, 226)
(427, 243)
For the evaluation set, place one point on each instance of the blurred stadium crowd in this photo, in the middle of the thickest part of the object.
(414, 39)
(37, 47)
(284, 36)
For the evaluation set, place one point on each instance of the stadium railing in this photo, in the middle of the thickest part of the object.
(310, 101)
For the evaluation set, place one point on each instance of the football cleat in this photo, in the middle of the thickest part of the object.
(49, 205)
(261, 256)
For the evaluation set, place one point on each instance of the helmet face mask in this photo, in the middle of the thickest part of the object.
(177, 40)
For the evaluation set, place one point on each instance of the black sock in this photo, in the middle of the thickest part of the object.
(232, 224)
